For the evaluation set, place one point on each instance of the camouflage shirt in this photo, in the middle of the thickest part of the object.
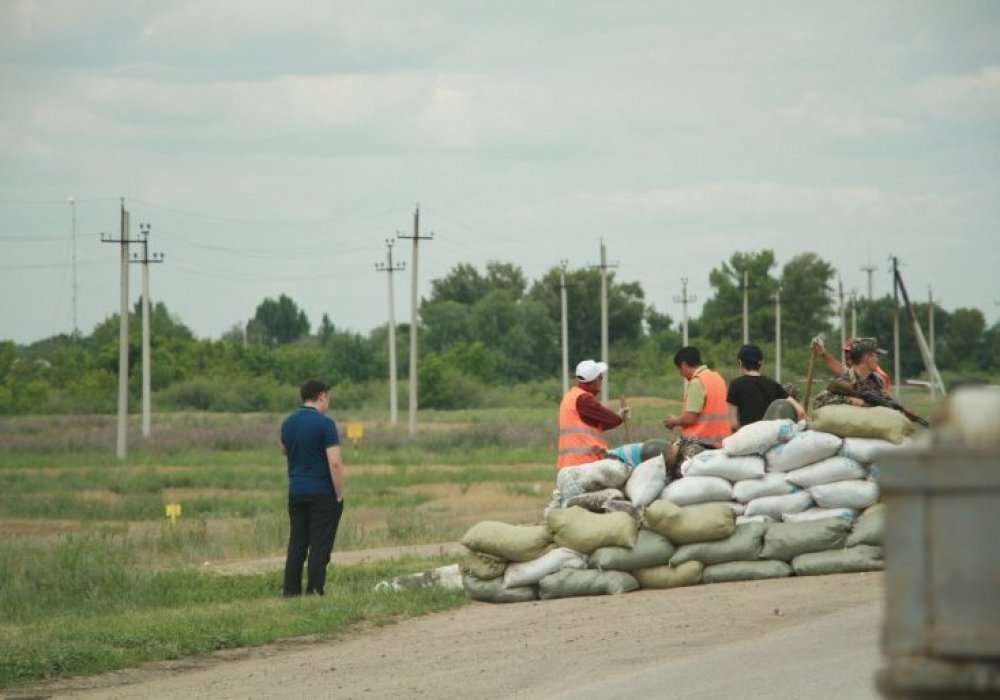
(872, 384)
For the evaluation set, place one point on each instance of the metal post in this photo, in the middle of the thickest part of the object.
(565, 324)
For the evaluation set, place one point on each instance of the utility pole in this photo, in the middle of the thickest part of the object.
(414, 325)
(684, 300)
(123, 241)
(854, 313)
(930, 320)
(605, 386)
(840, 307)
(777, 334)
(746, 308)
(565, 324)
(895, 324)
(147, 358)
(870, 269)
(390, 268)
(76, 327)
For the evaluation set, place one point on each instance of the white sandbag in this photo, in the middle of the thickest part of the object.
(742, 519)
(718, 463)
(772, 484)
(826, 471)
(736, 507)
(529, 573)
(855, 493)
(804, 448)
(845, 514)
(647, 481)
(697, 489)
(757, 438)
(776, 506)
(593, 476)
(869, 450)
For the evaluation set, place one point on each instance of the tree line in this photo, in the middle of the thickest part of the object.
(482, 332)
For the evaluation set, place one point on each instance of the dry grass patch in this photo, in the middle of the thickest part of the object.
(14, 527)
(470, 503)
(100, 496)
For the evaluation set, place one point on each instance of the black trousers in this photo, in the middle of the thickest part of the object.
(313, 522)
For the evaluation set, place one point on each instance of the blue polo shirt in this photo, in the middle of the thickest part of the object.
(306, 434)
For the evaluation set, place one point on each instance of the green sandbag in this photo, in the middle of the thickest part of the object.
(492, 591)
(583, 531)
(785, 541)
(857, 421)
(482, 566)
(681, 525)
(869, 527)
(864, 557)
(745, 571)
(510, 542)
(650, 549)
(566, 583)
(667, 576)
(743, 545)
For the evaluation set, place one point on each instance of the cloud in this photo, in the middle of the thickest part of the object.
(976, 93)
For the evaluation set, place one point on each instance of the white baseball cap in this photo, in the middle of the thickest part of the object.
(588, 370)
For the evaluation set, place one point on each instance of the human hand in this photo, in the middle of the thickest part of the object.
(817, 345)
(625, 412)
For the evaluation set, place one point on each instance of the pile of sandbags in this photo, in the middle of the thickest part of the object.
(777, 499)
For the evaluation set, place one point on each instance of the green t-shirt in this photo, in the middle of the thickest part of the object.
(695, 393)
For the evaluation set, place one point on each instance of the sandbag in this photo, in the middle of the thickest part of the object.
(804, 448)
(667, 576)
(743, 519)
(771, 484)
(492, 591)
(736, 507)
(510, 542)
(697, 489)
(785, 541)
(681, 525)
(583, 531)
(776, 506)
(482, 565)
(855, 493)
(650, 549)
(594, 500)
(863, 557)
(574, 582)
(592, 476)
(647, 481)
(870, 450)
(845, 514)
(826, 471)
(718, 463)
(745, 571)
(528, 573)
(757, 438)
(869, 527)
(868, 422)
(743, 545)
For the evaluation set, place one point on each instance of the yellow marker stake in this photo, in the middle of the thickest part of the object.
(355, 431)
(173, 512)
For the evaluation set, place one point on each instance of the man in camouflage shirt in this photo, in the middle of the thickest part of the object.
(861, 376)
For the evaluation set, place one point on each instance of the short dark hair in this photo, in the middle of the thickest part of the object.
(311, 390)
(689, 355)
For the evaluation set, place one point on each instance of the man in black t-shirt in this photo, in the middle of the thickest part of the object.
(752, 397)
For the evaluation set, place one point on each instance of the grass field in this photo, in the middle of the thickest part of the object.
(93, 576)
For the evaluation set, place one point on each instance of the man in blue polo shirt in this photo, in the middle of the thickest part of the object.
(315, 488)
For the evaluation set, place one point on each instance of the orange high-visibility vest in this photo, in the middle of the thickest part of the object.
(579, 443)
(713, 421)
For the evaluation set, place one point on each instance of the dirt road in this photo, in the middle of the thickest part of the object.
(547, 648)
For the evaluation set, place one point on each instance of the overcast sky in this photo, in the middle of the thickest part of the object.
(273, 146)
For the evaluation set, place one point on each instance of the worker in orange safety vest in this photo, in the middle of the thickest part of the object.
(583, 419)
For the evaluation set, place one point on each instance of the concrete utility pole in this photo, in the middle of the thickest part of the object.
(746, 308)
(854, 313)
(684, 300)
(895, 324)
(605, 386)
(147, 358)
(930, 321)
(414, 325)
(565, 324)
(777, 334)
(390, 268)
(870, 269)
(76, 327)
(123, 241)
(840, 307)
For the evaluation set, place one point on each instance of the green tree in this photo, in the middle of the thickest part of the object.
(277, 322)
(722, 315)
(806, 304)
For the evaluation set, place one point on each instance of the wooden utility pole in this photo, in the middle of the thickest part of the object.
(414, 324)
(147, 359)
(684, 300)
(121, 446)
(565, 324)
(389, 268)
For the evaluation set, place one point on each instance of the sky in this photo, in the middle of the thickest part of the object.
(273, 147)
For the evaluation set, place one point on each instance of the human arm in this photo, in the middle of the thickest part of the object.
(333, 458)
(831, 361)
(734, 417)
(592, 412)
(682, 421)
